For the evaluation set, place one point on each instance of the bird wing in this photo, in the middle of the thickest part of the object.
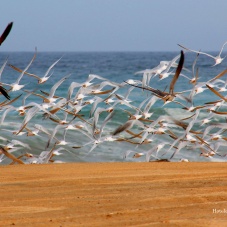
(216, 93)
(219, 75)
(222, 48)
(4, 92)
(20, 71)
(21, 75)
(53, 89)
(6, 32)
(195, 51)
(177, 73)
(2, 68)
(48, 70)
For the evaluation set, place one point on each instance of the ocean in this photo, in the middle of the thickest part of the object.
(116, 67)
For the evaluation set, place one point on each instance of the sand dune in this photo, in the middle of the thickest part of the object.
(114, 194)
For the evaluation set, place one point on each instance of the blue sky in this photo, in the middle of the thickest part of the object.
(113, 25)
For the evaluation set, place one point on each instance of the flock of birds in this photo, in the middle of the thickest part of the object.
(101, 96)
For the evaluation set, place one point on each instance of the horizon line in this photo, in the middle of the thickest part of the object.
(102, 51)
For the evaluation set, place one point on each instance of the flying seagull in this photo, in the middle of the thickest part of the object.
(218, 59)
(167, 96)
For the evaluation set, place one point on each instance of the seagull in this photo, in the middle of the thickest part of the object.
(217, 93)
(187, 132)
(127, 125)
(199, 87)
(16, 86)
(95, 101)
(11, 156)
(97, 89)
(195, 75)
(206, 154)
(31, 113)
(218, 59)
(146, 109)
(45, 156)
(51, 99)
(167, 96)
(86, 84)
(148, 73)
(57, 141)
(41, 80)
(95, 134)
(165, 73)
(13, 144)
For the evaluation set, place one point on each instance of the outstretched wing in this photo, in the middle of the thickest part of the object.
(6, 33)
(156, 92)
(20, 71)
(4, 92)
(177, 73)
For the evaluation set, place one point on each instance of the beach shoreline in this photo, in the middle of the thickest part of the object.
(114, 194)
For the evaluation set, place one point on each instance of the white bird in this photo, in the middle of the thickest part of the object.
(85, 84)
(13, 144)
(58, 141)
(97, 89)
(30, 114)
(95, 102)
(145, 112)
(218, 59)
(186, 132)
(127, 125)
(16, 86)
(41, 80)
(148, 73)
(95, 135)
(50, 99)
(165, 73)
(153, 149)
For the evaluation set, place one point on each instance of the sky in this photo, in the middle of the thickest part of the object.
(114, 25)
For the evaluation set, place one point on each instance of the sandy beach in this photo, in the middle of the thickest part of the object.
(114, 194)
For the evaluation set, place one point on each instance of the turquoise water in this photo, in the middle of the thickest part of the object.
(116, 67)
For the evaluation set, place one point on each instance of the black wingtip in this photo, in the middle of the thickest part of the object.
(4, 92)
(6, 32)
(181, 62)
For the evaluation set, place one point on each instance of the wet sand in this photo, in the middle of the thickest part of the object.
(114, 194)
